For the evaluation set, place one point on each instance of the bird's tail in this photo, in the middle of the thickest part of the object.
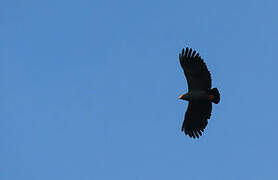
(214, 93)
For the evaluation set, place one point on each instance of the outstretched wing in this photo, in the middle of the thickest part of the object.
(195, 70)
(196, 118)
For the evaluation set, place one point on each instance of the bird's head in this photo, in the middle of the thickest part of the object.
(184, 97)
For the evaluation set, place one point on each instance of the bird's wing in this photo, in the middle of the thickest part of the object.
(196, 118)
(195, 70)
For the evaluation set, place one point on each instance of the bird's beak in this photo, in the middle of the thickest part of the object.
(180, 97)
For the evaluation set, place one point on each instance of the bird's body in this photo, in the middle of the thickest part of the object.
(196, 96)
(200, 95)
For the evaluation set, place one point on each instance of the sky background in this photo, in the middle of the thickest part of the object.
(89, 89)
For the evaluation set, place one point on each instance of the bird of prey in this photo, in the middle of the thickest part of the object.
(200, 95)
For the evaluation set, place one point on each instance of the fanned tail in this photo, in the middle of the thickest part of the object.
(215, 94)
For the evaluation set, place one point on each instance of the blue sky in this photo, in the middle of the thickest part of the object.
(89, 89)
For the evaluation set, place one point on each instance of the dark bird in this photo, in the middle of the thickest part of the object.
(200, 95)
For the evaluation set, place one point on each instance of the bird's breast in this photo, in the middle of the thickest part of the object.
(198, 95)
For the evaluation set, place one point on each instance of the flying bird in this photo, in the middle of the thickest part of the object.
(200, 95)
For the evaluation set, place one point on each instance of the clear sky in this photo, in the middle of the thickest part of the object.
(89, 89)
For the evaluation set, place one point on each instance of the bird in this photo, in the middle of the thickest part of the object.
(200, 95)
